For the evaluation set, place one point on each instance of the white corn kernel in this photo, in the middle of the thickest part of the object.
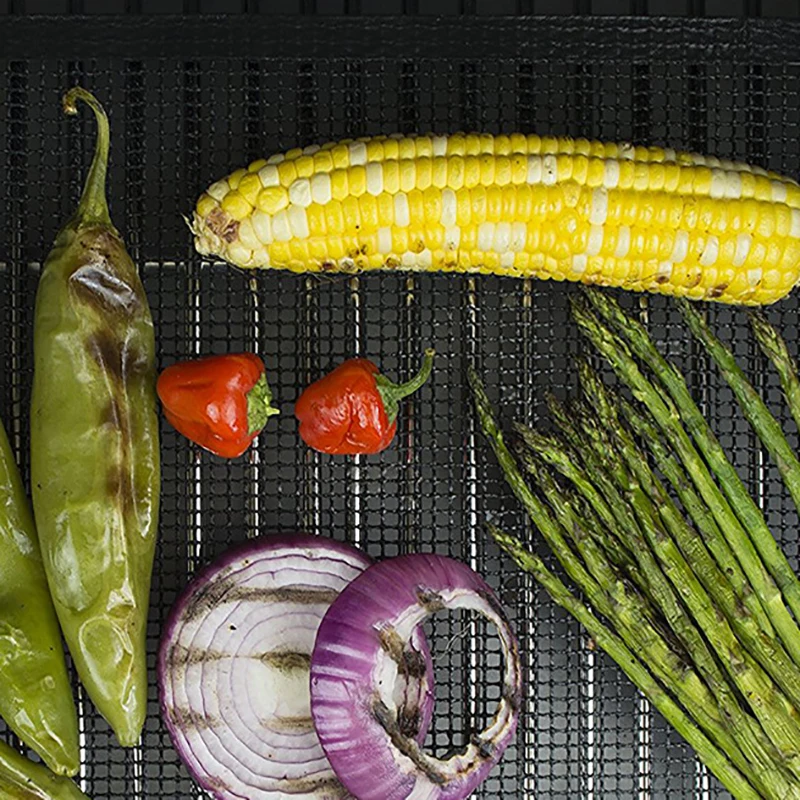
(710, 252)
(733, 185)
(269, 176)
(595, 240)
(402, 217)
(627, 151)
(358, 153)
(247, 235)
(519, 233)
(754, 276)
(669, 154)
(794, 228)
(300, 192)
(321, 188)
(218, 190)
(579, 264)
(599, 211)
(239, 254)
(681, 247)
(534, 169)
(375, 178)
(425, 259)
(409, 259)
(276, 159)
(664, 270)
(779, 192)
(385, 240)
(298, 221)
(623, 242)
(485, 236)
(452, 237)
(262, 225)
(743, 242)
(717, 184)
(502, 237)
(281, 229)
(507, 259)
(310, 149)
(449, 206)
(439, 146)
(549, 169)
(611, 174)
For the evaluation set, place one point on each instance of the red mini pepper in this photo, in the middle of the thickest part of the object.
(219, 402)
(353, 410)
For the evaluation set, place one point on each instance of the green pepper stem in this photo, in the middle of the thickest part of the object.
(93, 207)
(392, 393)
(259, 406)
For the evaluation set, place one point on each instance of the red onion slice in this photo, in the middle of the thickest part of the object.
(233, 669)
(362, 646)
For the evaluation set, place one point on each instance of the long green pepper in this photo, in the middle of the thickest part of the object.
(35, 693)
(94, 447)
(21, 779)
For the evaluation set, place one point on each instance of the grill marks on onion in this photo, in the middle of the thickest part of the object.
(372, 754)
(234, 669)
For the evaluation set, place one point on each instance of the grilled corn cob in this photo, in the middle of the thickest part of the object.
(646, 219)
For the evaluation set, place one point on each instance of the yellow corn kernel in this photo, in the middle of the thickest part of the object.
(235, 206)
(340, 187)
(424, 173)
(391, 150)
(407, 149)
(287, 172)
(472, 171)
(423, 147)
(350, 212)
(459, 145)
(391, 177)
(432, 201)
(408, 175)
(399, 240)
(334, 218)
(235, 177)
(341, 156)
(357, 180)
(375, 150)
(439, 173)
(205, 205)
(488, 165)
(316, 220)
(323, 161)
(385, 208)
(279, 253)
(305, 166)
(368, 209)
(627, 173)
(249, 187)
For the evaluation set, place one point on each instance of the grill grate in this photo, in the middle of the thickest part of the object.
(181, 120)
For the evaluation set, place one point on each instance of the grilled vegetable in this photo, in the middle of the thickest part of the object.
(646, 219)
(363, 644)
(354, 409)
(35, 692)
(94, 448)
(234, 662)
(219, 402)
(698, 616)
(21, 779)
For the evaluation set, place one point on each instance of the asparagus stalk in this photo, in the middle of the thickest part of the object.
(655, 552)
(607, 406)
(750, 516)
(769, 776)
(712, 756)
(669, 420)
(767, 650)
(754, 408)
(774, 347)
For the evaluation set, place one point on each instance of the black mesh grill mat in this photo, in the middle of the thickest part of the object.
(192, 99)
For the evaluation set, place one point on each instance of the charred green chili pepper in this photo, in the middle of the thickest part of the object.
(21, 779)
(94, 447)
(35, 693)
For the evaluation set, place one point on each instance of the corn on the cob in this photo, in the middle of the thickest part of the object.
(648, 219)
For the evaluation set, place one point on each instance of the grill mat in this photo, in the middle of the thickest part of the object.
(185, 111)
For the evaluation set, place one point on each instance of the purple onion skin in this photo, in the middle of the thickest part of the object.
(248, 553)
(356, 729)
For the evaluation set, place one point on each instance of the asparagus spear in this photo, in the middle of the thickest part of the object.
(769, 777)
(774, 347)
(711, 755)
(752, 520)
(668, 419)
(754, 408)
(767, 650)
(607, 406)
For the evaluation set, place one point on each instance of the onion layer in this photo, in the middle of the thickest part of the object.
(362, 646)
(233, 669)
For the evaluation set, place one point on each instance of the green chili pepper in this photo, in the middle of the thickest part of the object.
(35, 693)
(21, 779)
(94, 448)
